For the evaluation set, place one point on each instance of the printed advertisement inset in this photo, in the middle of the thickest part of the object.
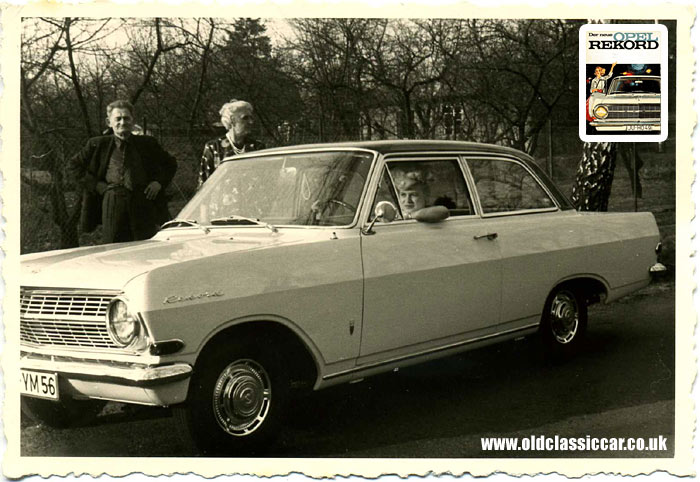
(623, 72)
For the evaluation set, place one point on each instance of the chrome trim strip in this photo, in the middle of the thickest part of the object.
(627, 122)
(133, 375)
(69, 291)
(488, 149)
(106, 354)
(361, 202)
(428, 352)
(284, 152)
(425, 157)
(522, 164)
(520, 212)
(415, 157)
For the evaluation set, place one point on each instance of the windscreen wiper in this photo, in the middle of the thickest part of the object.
(174, 223)
(236, 219)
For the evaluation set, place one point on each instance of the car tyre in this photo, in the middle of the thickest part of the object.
(564, 322)
(236, 401)
(64, 413)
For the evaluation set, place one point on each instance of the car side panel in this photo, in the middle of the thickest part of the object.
(425, 283)
(312, 287)
(541, 250)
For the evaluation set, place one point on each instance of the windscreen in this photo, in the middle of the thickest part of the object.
(312, 188)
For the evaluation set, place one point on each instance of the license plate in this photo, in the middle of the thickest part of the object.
(643, 128)
(39, 384)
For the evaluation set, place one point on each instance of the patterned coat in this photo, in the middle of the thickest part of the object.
(217, 150)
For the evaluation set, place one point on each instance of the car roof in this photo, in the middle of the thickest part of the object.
(400, 146)
(637, 76)
(416, 146)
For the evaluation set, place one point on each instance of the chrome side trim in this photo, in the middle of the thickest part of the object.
(284, 151)
(428, 352)
(521, 212)
(123, 355)
(518, 161)
(71, 291)
(122, 374)
(365, 189)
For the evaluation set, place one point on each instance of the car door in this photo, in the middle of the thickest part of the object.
(427, 285)
(533, 233)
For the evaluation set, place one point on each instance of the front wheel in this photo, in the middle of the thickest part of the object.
(236, 400)
(564, 322)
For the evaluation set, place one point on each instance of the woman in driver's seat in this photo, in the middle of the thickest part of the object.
(413, 192)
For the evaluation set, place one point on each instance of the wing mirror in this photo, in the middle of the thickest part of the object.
(385, 212)
(433, 214)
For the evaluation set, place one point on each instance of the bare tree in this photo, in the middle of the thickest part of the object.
(66, 65)
(406, 61)
(326, 59)
(513, 72)
(594, 176)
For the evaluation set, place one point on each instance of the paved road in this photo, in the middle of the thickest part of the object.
(622, 385)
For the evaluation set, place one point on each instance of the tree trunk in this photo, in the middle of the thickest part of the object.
(66, 220)
(594, 176)
(633, 164)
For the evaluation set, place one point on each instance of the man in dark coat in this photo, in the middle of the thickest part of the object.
(124, 177)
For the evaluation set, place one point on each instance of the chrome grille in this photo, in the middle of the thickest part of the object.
(634, 111)
(65, 318)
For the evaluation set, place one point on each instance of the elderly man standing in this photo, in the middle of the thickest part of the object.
(238, 119)
(124, 177)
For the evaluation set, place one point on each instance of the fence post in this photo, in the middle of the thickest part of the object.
(634, 174)
(550, 159)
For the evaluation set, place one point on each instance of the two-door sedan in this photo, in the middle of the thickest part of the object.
(631, 103)
(304, 267)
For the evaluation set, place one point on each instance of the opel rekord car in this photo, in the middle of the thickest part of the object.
(631, 103)
(299, 268)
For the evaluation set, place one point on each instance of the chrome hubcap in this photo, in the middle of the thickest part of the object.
(242, 397)
(563, 317)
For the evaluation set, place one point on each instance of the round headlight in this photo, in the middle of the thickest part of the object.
(601, 112)
(123, 326)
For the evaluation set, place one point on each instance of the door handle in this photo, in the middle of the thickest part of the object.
(489, 236)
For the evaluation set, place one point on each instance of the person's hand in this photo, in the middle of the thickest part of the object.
(613, 65)
(152, 190)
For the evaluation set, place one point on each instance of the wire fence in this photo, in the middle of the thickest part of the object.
(46, 184)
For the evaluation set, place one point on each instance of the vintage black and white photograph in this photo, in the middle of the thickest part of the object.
(340, 237)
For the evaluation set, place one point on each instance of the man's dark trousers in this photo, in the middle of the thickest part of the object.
(123, 218)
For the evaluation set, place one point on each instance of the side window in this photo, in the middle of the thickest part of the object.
(504, 186)
(419, 184)
(385, 192)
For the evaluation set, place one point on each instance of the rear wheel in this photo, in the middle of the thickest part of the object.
(564, 322)
(61, 414)
(236, 399)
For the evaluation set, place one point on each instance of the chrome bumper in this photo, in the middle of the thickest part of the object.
(160, 385)
(622, 124)
(657, 270)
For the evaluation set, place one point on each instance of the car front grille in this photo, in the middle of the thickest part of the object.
(634, 111)
(67, 318)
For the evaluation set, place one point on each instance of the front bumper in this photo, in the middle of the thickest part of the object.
(657, 270)
(622, 125)
(129, 382)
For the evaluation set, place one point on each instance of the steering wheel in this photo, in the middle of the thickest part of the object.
(322, 211)
(347, 206)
